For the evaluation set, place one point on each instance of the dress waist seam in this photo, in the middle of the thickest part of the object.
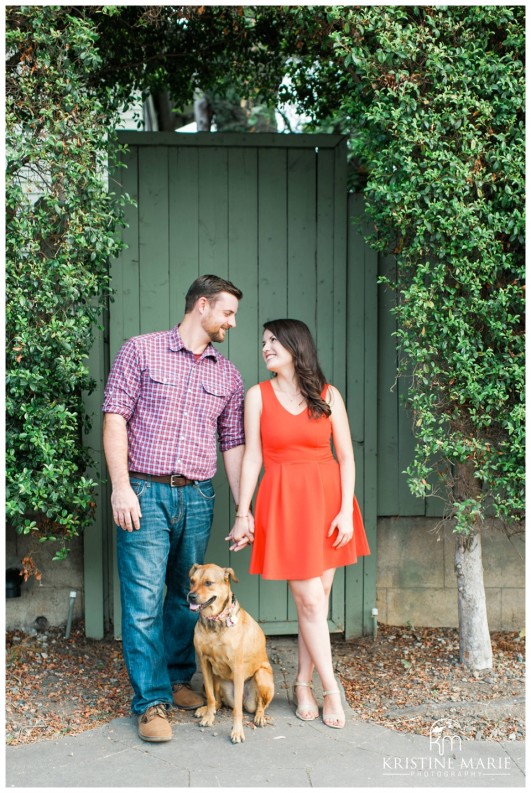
(268, 465)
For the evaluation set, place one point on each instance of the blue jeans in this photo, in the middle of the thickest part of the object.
(157, 631)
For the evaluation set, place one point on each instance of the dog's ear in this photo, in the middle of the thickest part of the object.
(193, 569)
(229, 573)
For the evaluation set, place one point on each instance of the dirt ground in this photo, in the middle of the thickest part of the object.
(410, 677)
(405, 680)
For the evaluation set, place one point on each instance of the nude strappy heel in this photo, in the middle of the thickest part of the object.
(334, 716)
(313, 714)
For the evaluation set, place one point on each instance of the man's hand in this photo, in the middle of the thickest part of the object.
(125, 508)
(242, 533)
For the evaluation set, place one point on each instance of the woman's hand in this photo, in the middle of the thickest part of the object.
(343, 523)
(242, 533)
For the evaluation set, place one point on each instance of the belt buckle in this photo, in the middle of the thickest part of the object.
(175, 476)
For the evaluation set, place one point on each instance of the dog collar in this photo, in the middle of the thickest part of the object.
(231, 618)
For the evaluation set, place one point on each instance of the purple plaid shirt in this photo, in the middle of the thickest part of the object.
(175, 407)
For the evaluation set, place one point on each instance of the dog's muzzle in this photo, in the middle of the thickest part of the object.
(194, 605)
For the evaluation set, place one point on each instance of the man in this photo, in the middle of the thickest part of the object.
(168, 397)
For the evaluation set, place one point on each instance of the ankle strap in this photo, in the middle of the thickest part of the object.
(301, 683)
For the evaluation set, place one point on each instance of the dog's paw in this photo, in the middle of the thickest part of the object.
(206, 716)
(237, 735)
(260, 720)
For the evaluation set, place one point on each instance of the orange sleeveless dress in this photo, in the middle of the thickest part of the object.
(298, 497)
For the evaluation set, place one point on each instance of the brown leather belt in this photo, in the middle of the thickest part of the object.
(175, 480)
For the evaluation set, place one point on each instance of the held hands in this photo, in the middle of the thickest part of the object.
(125, 508)
(242, 533)
(345, 529)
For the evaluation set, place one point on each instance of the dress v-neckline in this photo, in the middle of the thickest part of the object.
(282, 406)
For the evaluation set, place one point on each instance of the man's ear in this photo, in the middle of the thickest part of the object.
(202, 303)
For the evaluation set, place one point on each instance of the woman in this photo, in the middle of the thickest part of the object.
(307, 521)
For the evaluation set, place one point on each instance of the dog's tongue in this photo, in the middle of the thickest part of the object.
(194, 606)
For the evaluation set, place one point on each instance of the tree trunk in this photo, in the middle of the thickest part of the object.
(203, 113)
(163, 108)
(475, 648)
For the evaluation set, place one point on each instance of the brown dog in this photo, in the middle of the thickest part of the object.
(231, 649)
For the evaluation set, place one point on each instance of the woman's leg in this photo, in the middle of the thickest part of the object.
(311, 599)
(305, 697)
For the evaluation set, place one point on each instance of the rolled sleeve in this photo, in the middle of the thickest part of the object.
(124, 382)
(230, 421)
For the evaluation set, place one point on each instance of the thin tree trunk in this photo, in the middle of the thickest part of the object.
(474, 639)
(203, 113)
(475, 649)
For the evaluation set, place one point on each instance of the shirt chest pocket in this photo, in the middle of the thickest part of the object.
(161, 387)
(215, 393)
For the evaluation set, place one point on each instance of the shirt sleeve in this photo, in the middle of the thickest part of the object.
(230, 421)
(124, 382)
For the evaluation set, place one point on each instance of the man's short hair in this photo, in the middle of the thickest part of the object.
(209, 286)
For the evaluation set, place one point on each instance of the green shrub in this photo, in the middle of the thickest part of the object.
(60, 235)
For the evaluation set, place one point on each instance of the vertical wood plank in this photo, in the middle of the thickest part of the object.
(213, 258)
(244, 340)
(371, 434)
(213, 212)
(124, 322)
(244, 343)
(324, 326)
(388, 500)
(302, 292)
(408, 504)
(331, 270)
(340, 268)
(272, 304)
(273, 601)
(354, 574)
(356, 324)
(435, 505)
(154, 239)
(355, 400)
(361, 578)
(124, 269)
(183, 189)
(272, 236)
(95, 583)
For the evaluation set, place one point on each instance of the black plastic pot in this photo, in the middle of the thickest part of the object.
(13, 582)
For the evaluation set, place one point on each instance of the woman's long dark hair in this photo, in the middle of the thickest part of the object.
(295, 336)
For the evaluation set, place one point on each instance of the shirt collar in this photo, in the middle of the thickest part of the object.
(176, 344)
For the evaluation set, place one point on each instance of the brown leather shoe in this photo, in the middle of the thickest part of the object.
(185, 697)
(153, 724)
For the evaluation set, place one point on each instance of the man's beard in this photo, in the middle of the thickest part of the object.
(217, 335)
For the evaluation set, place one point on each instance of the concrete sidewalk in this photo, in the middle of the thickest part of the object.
(287, 753)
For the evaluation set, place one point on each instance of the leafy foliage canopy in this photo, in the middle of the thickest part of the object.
(433, 102)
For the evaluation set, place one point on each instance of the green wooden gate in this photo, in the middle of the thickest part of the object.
(270, 213)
